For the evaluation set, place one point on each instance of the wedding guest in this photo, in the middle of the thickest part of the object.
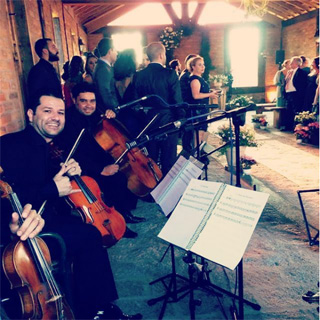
(305, 64)
(124, 70)
(75, 72)
(296, 82)
(279, 81)
(89, 67)
(103, 76)
(312, 85)
(200, 91)
(176, 66)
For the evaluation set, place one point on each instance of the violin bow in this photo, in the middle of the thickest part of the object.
(75, 146)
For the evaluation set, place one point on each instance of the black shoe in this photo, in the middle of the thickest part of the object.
(113, 312)
(130, 234)
(130, 218)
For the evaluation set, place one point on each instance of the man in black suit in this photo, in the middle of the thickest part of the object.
(156, 79)
(43, 75)
(103, 75)
(296, 82)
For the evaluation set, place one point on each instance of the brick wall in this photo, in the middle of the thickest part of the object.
(298, 39)
(11, 107)
(271, 45)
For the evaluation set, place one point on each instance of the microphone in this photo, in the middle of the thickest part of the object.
(158, 133)
(132, 103)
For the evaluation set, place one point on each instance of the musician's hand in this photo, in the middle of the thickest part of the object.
(72, 168)
(63, 183)
(32, 225)
(110, 114)
(110, 170)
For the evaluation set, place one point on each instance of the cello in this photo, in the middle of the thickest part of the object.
(142, 172)
(27, 266)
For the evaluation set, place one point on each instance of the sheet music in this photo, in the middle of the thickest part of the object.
(220, 228)
(189, 213)
(171, 188)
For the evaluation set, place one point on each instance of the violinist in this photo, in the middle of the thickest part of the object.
(29, 168)
(94, 161)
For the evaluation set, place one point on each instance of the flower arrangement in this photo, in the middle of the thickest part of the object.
(241, 101)
(307, 132)
(246, 138)
(307, 128)
(247, 162)
(302, 132)
(305, 117)
(263, 122)
(256, 117)
(219, 78)
(170, 38)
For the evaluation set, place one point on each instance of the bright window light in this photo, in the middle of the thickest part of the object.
(243, 51)
(177, 9)
(129, 40)
(222, 12)
(148, 14)
(192, 8)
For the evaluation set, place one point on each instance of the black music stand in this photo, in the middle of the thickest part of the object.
(312, 240)
(238, 118)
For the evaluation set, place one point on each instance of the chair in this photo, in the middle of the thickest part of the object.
(312, 240)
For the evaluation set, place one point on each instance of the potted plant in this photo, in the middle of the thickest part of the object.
(246, 164)
(247, 139)
(263, 123)
(218, 80)
(307, 128)
(240, 101)
(256, 119)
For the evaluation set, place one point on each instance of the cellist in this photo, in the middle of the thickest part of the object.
(28, 167)
(92, 158)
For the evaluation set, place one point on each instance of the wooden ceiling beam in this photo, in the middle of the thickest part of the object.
(286, 6)
(197, 13)
(107, 17)
(171, 13)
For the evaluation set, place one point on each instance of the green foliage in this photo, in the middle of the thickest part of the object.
(219, 78)
(241, 101)
(305, 117)
(247, 136)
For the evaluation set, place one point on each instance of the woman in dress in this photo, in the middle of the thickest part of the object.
(124, 69)
(279, 81)
(200, 92)
(89, 67)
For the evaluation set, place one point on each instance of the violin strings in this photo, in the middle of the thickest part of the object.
(39, 259)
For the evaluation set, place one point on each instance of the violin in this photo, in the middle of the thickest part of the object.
(89, 203)
(27, 266)
(93, 210)
(141, 171)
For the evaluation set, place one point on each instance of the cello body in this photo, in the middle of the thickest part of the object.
(142, 172)
(39, 299)
(93, 210)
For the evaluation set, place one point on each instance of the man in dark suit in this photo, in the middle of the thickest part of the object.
(103, 75)
(43, 75)
(156, 79)
(296, 82)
